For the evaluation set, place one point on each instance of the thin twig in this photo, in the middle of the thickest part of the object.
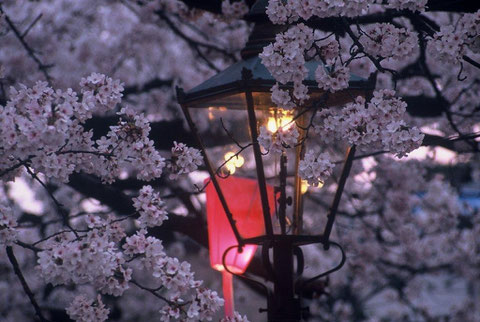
(471, 61)
(28, 246)
(26, 288)
(55, 201)
(153, 291)
(361, 48)
(30, 51)
(25, 33)
(13, 167)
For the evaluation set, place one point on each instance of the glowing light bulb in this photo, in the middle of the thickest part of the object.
(304, 186)
(230, 167)
(283, 119)
(233, 161)
(272, 124)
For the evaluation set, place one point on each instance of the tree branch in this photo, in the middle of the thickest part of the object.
(41, 66)
(26, 288)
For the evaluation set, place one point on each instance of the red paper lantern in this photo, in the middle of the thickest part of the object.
(244, 202)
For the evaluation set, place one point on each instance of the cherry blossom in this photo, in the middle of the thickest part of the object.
(184, 160)
(334, 81)
(285, 137)
(86, 310)
(41, 117)
(151, 208)
(286, 62)
(377, 123)
(237, 317)
(315, 168)
(413, 5)
(451, 43)
(385, 40)
(8, 225)
(236, 9)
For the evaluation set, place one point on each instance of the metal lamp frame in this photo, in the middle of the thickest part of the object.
(283, 304)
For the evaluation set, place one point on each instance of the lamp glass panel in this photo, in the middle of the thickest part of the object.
(244, 202)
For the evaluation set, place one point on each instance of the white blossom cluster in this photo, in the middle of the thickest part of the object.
(412, 5)
(95, 258)
(92, 258)
(378, 124)
(111, 227)
(332, 81)
(99, 93)
(276, 142)
(42, 128)
(150, 207)
(237, 317)
(234, 9)
(204, 305)
(385, 40)
(128, 142)
(329, 51)
(86, 310)
(286, 62)
(8, 225)
(281, 12)
(175, 276)
(315, 168)
(441, 205)
(451, 42)
(184, 160)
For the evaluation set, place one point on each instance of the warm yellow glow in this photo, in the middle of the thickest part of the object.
(230, 167)
(304, 187)
(233, 161)
(212, 110)
(280, 119)
(271, 124)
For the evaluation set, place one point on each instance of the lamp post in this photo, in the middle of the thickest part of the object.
(234, 104)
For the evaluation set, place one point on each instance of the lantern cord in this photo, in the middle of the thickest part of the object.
(227, 283)
(224, 257)
(336, 268)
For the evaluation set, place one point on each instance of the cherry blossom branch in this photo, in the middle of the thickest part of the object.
(51, 236)
(55, 201)
(154, 291)
(471, 61)
(438, 93)
(30, 51)
(28, 246)
(192, 43)
(26, 288)
(104, 154)
(361, 48)
(34, 22)
(13, 167)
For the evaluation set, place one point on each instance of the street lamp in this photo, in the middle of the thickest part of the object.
(232, 105)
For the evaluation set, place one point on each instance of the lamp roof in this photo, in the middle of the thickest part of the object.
(250, 74)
